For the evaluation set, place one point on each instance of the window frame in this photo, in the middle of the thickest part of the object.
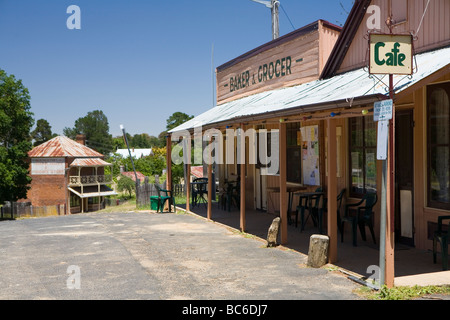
(291, 135)
(363, 148)
(430, 202)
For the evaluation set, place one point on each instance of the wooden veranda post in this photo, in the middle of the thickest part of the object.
(242, 182)
(187, 183)
(283, 179)
(390, 195)
(210, 179)
(169, 163)
(332, 190)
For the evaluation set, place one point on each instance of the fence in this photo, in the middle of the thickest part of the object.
(25, 209)
(146, 190)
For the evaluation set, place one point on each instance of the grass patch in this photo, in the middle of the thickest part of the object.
(402, 293)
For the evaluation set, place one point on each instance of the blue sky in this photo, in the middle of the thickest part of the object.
(137, 61)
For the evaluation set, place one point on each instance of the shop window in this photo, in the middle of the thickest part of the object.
(363, 138)
(94, 200)
(399, 10)
(438, 124)
(293, 152)
(74, 201)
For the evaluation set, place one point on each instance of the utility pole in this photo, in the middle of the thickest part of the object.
(131, 158)
(273, 5)
(275, 20)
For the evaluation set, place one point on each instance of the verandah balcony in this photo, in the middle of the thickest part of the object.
(90, 180)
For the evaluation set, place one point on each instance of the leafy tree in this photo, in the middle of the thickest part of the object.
(176, 119)
(126, 184)
(119, 143)
(96, 128)
(16, 121)
(42, 133)
(162, 139)
(141, 141)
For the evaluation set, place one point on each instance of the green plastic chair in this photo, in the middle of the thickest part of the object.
(163, 196)
(441, 236)
(363, 217)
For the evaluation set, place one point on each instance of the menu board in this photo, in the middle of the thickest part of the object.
(310, 155)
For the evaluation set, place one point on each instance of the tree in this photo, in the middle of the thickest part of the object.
(126, 184)
(96, 128)
(176, 119)
(16, 121)
(119, 142)
(42, 133)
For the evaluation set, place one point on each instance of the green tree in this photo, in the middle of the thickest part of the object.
(16, 121)
(142, 140)
(126, 184)
(119, 143)
(176, 119)
(96, 128)
(42, 133)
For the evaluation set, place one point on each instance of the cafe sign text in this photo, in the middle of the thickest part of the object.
(390, 54)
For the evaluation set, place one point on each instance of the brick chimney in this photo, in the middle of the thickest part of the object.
(81, 138)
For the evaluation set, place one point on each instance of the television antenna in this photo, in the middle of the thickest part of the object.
(273, 6)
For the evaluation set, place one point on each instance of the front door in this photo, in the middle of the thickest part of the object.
(404, 179)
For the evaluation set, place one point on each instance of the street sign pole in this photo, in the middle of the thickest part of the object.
(382, 114)
(390, 196)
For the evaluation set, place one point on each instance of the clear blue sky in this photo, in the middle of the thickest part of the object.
(138, 61)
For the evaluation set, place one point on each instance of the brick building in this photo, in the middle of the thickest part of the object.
(66, 172)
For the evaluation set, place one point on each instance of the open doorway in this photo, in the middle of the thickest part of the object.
(404, 177)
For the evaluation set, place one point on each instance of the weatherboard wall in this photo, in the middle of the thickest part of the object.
(434, 30)
(288, 61)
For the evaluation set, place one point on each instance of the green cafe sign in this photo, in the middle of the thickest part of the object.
(390, 54)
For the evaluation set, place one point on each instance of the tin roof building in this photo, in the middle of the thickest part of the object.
(66, 172)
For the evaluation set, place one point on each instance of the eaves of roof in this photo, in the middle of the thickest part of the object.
(345, 38)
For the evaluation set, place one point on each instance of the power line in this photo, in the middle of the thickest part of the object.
(287, 16)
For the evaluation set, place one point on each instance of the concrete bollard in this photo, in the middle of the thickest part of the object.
(272, 235)
(318, 250)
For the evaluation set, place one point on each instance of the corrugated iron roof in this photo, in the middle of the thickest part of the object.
(197, 171)
(317, 94)
(62, 146)
(131, 175)
(89, 162)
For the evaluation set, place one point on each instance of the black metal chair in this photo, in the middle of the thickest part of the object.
(441, 236)
(199, 191)
(340, 197)
(232, 195)
(362, 218)
(310, 203)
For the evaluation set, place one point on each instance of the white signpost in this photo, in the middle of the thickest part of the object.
(382, 110)
(382, 113)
